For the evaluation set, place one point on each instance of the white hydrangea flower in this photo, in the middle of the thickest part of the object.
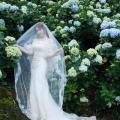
(77, 23)
(76, 16)
(106, 18)
(91, 52)
(118, 54)
(81, 6)
(70, 21)
(109, 104)
(91, 7)
(73, 43)
(84, 99)
(64, 35)
(85, 61)
(74, 51)
(83, 68)
(50, 2)
(0, 74)
(24, 9)
(72, 29)
(98, 59)
(65, 5)
(106, 45)
(9, 39)
(62, 31)
(92, 3)
(67, 57)
(98, 47)
(58, 28)
(90, 13)
(117, 15)
(106, 10)
(96, 20)
(72, 72)
(13, 51)
(62, 21)
(34, 5)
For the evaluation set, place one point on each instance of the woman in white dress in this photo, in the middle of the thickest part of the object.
(40, 76)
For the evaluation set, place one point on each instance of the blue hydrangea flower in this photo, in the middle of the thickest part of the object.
(98, 5)
(104, 25)
(74, 8)
(30, 4)
(102, 1)
(20, 28)
(2, 22)
(77, 58)
(106, 11)
(66, 28)
(106, 45)
(77, 23)
(118, 53)
(71, 2)
(112, 24)
(114, 32)
(117, 98)
(1, 7)
(104, 33)
(14, 8)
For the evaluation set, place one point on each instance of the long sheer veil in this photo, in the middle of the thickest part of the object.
(56, 72)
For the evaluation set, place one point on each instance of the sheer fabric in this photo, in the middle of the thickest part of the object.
(40, 81)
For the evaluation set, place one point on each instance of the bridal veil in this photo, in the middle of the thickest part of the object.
(56, 72)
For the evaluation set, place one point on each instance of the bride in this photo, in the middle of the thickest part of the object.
(40, 76)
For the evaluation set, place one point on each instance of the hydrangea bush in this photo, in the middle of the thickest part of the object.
(89, 31)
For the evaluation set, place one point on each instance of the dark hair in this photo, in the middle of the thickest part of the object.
(41, 26)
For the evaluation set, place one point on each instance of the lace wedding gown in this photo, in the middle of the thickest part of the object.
(42, 104)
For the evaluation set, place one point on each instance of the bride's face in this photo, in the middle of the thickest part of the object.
(40, 32)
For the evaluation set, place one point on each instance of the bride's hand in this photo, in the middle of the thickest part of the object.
(58, 51)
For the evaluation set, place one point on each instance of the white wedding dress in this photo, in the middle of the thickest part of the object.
(42, 105)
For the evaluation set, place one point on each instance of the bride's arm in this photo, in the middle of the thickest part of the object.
(50, 55)
(27, 50)
(50, 52)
